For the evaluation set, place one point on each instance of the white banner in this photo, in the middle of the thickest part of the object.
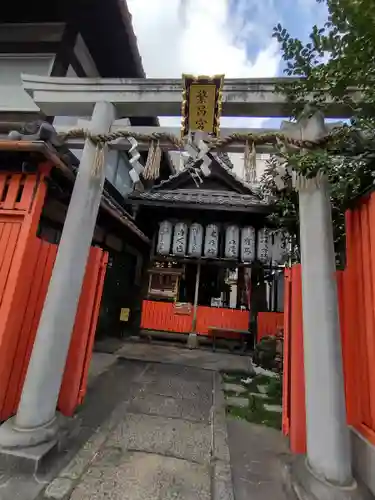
(180, 239)
(232, 236)
(263, 246)
(211, 242)
(195, 240)
(164, 238)
(248, 244)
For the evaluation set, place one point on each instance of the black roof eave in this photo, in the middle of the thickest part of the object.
(259, 209)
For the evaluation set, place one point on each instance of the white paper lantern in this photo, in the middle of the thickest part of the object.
(232, 236)
(195, 240)
(278, 249)
(247, 244)
(164, 238)
(180, 239)
(211, 241)
(263, 249)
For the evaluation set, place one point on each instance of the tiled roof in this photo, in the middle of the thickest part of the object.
(222, 159)
(200, 197)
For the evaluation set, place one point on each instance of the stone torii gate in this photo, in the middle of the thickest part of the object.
(328, 452)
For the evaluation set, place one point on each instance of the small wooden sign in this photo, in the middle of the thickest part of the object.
(182, 308)
(124, 315)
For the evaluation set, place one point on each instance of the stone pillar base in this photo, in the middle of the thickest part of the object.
(27, 452)
(302, 484)
(12, 437)
(192, 341)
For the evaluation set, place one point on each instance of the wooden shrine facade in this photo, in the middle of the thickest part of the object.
(215, 261)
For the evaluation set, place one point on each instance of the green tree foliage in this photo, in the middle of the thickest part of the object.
(338, 56)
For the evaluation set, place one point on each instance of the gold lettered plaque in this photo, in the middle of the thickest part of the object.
(201, 104)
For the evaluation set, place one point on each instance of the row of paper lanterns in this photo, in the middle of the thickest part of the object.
(181, 240)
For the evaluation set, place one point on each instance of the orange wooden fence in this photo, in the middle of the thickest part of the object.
(26, 264)
(74, 384)
(358, 317)
(356, 299)
(21, 202)
(221, 318)
(269, 323)
(162, 316)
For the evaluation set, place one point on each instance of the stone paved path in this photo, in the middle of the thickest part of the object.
(168, 440)
(257, 456)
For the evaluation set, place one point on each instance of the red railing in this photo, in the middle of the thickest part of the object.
(162, 316)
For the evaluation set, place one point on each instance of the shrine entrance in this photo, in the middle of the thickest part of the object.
(195, 297)
(221, 207)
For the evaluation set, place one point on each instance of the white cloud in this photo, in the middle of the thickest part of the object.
(197, 37)
(200, 37)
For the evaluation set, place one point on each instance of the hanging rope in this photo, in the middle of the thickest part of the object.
(98, 163)
(152, 167)
(215, 143)
(250, 162)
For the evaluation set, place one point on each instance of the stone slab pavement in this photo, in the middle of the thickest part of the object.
(199, 358)
(168, 440)
(156, 430)
(258, 457)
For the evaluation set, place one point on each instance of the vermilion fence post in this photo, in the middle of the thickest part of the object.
(286, 353)
(82, 337)
(297, 431)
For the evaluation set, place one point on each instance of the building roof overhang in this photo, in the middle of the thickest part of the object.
(47, 153)
(198, 199)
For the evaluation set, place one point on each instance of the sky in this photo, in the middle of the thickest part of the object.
(231, 37)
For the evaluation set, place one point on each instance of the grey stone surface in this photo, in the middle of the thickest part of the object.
(239, 389)
(198, 358)
(26, 459)
(220, 450)
(303, 485)
(273, 408)
(103, 400)
(59, 488)
(259, 395)
(237, 401)
(262, 389)
(166, 436)
(142, 476)
(256, 453)
(363, 455)
(192, 341)
(85, 455)
(164, 446)
(197, 410)
(222, 487)
(178, 382)
(100, 362)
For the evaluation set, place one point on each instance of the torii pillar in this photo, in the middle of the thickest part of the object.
(35, 422)
(326, 473)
